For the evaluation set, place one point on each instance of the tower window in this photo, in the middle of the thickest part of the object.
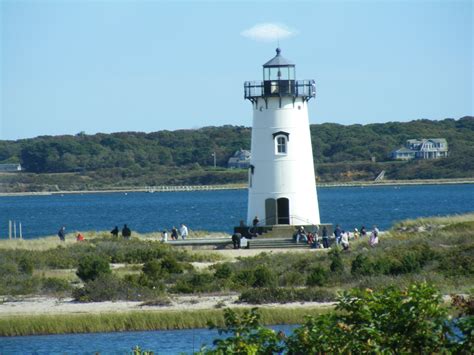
(281, 145)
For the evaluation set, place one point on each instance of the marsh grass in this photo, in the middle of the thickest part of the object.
(157, 320)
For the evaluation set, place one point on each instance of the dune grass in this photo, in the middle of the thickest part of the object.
(52, 241)
(140, 320)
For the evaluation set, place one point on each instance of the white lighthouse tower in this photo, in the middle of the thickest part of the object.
(282, 186)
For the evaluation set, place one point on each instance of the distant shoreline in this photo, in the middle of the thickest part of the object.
(187, 188)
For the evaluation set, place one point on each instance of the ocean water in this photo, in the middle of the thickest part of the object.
(221, 210)
(161, 342)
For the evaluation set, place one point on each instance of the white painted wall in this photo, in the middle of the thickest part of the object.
(290, 175)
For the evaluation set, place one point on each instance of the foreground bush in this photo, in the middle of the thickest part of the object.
(390, 321)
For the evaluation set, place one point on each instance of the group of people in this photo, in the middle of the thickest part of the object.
(126, 232)
(175, 233)
(342, 237)
(62, 235)
(312, 237)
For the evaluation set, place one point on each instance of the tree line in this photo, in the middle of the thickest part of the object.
(340, 151)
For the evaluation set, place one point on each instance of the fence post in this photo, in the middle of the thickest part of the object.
(9, 229)
(21, 234)
(14, 229)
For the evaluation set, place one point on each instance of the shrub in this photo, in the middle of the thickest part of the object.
(361, 265)
(336, 261)
(316, 277)
(248, 336)
(264, 277)
(292, 278)
(108, 287)
(284, 295)
(91, 267)
(195, 283)
(171, 265)
(245, 278)
(389, 321)
(153, 270)
(54, 285)
(222, 271)
(25, 266)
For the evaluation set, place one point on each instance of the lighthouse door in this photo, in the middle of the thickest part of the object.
(270, 212)
(283, 209)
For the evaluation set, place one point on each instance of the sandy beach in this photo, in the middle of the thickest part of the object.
(29, 306)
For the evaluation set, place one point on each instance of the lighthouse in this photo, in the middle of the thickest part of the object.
(282, 186)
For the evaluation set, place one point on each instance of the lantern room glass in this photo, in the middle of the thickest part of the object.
(279, 73)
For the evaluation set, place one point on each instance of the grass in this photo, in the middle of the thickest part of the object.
(51, 242)
(140, 320)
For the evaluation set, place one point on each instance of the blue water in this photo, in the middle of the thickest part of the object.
(221, 210)
(161, 342)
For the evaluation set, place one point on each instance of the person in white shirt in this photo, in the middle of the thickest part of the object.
(345, 240)
(164, 236)
(183, 230)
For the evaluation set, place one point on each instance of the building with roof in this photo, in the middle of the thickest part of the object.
(431, 148)
(240, 160)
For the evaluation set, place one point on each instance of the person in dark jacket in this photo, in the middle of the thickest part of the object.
(174, 233)
(62, 234)
(325, 238)
(126, 232)
(115, 232)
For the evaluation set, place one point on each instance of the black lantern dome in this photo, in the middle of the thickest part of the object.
(279, 80)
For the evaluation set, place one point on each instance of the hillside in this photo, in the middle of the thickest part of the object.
(341, 153)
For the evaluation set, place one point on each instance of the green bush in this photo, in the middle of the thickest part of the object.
(223, 271)
(244, 278)
(54, 285)
(264, 277)
(196, 283)
(390, 321)
(91, 267)
(171, 265)
(361, 265)
(317, 276)
(285, 295)
(292, 278)
(25, 266)
(108, 287)
(336, 261)
(153, 270)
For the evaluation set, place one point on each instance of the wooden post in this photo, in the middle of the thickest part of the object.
(21, 234)
(9, 229)
(14, 229)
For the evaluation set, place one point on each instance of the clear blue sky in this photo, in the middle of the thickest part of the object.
(109, 66)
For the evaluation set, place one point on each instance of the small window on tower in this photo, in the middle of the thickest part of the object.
(281, 147)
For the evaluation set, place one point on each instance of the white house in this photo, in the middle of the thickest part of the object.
(431, 148)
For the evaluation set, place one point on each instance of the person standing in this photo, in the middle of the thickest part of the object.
(374, 237)
(62, 234)
(115, 232)
(345, 240)
(164, 236)
(174, 233)
(325, 238)
(126, 232)
(356, 234)
(183, 230)
(363, 232)
(338, 234)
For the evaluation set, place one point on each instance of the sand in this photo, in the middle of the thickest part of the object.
(29, 306)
